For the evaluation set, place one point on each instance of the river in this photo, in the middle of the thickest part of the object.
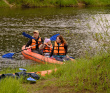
(74, 24)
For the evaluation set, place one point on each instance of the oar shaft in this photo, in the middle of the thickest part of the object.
(25, 48)
(21, 51)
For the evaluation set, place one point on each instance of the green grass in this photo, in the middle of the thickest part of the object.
(87, 75)
(40, 3)
(44, 3)
(3, 4)
(10, 85)
(96, 2)
(31, 68)
(48, 3)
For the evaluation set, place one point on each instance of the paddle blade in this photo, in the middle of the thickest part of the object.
(27, 35)
(53, 38)
(22, 69)
(30, 79)
(8, 55)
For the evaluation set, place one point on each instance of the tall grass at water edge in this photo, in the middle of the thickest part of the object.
(88, 75)
(85, 75)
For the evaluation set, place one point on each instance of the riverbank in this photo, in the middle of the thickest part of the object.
(53, 3)
(89, 75)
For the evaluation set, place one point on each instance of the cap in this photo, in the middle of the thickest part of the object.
(36, 31)
(46, 40)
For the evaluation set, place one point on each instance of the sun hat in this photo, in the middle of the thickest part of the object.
(46, 40)
(36, 31)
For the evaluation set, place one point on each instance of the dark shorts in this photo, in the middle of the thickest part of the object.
(61, 58)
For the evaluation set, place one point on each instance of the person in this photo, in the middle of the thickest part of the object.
(46, 47)
(59, 50)
(35, 42)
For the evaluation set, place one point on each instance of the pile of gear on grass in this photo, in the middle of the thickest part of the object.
(29, 76)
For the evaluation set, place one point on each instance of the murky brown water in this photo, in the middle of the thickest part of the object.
(69, 22)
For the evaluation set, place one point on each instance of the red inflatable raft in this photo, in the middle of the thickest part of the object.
(38, 58)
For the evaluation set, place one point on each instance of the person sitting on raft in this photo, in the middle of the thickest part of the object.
(46, 47)
(59, 50)
(37, 42)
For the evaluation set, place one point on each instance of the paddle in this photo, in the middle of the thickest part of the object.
(22, 69)
(9, 55)
(31, 79)
(53, 38)
(27, 35)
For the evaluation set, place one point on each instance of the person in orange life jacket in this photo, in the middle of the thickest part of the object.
(46, 47)
(59, 50)
(37, 42)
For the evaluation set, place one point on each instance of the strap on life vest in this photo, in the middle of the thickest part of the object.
(59, 49)
(47, 49)
(34, 43)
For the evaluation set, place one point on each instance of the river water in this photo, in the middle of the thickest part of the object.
(74, 24)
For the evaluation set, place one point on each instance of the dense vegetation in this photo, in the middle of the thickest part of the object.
(3, 4)
(45, 3)
(85, 75)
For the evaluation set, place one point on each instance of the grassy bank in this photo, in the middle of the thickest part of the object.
(3, 4)
(42, 3)
(62, 3)
(10, 85)
(85, 75)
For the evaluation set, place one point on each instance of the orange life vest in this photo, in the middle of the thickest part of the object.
(59, 49)
(47, 49)
(34, 43)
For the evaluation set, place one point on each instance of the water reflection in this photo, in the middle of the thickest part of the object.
(69, 22)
